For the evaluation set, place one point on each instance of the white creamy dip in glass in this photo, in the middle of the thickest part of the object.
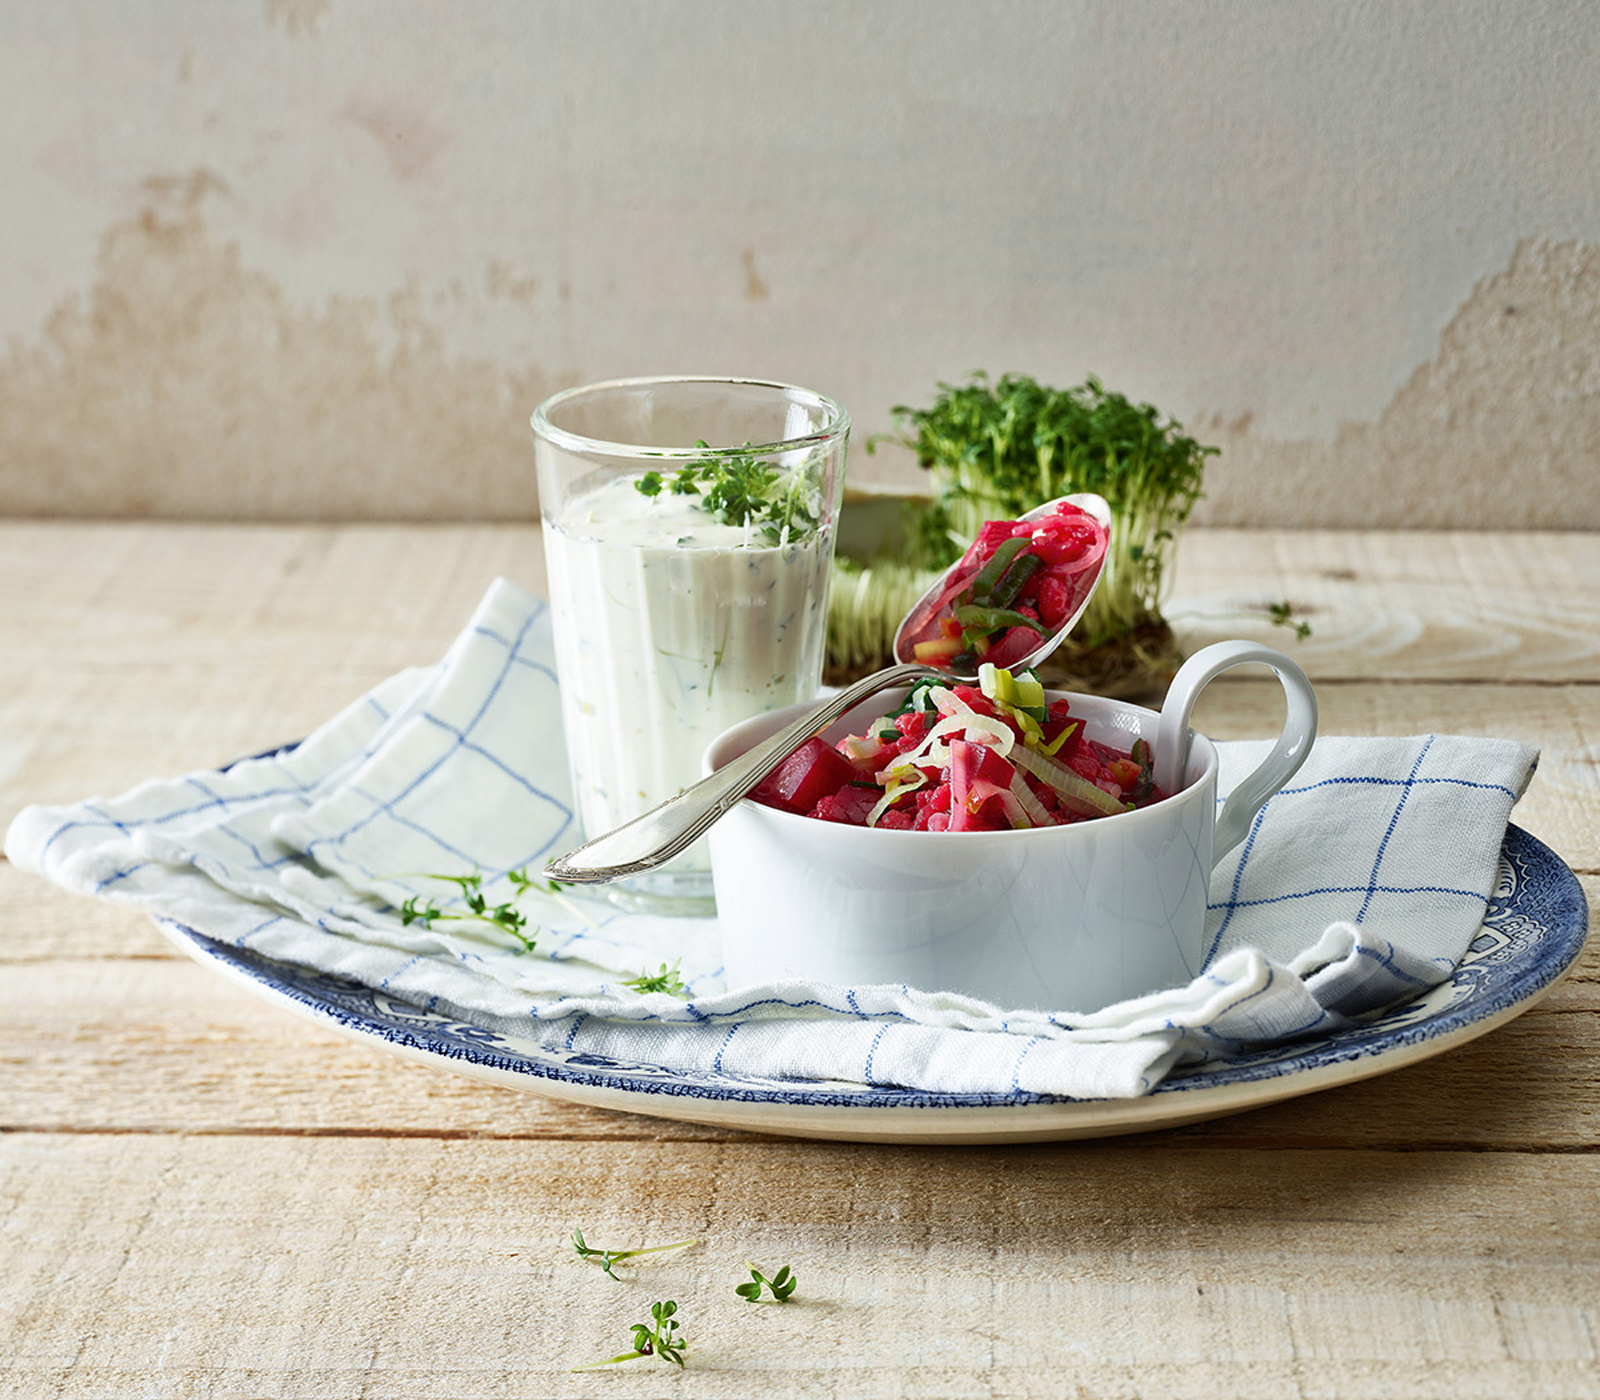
(669, 628)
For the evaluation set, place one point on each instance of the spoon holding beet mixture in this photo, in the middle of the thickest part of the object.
(1010, 601)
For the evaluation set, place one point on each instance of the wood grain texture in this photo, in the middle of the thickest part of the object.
(1400, 605)
(417, 1268)
(203, 1196)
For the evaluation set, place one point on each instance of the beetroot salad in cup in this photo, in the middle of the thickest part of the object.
(996, 756)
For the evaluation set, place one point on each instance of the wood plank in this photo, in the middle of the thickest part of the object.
(39, 921)
(163, 648)
(1432, 605)
(228, 1200)
(169, 1047)
(423, 1267)
(158, 648)
(1399, 604)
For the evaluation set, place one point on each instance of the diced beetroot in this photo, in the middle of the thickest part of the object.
(851, 805)
(1027, 599)
(1058, 716)
(1013, 646)
(812, 772)
(1082, 761)
(1074, 741)
(913, 727)
(897, 819)
(1048, 797)
(1066, 536)
(980, 788)
(972, 696)
(1055, 598)
(1055, 548)
(1106, 753)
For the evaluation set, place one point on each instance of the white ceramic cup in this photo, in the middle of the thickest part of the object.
(1069, 918)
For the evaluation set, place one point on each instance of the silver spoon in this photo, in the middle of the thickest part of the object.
(664, 831)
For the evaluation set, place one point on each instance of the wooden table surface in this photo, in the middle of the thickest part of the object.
(203, 1196)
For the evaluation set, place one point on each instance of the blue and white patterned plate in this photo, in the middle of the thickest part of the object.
(1535, 927)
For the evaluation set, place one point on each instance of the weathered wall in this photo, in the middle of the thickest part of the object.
(320, 258)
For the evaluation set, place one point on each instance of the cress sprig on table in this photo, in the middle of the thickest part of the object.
(1282, 615)
(661, 1336)
(780, 1285)
(740, 488)
(607, 1258)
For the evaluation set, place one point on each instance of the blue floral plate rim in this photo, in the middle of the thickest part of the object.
(1535, 927)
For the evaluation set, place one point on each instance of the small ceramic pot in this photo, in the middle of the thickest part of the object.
(1069, 918)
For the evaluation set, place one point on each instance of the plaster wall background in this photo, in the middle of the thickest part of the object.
(321, 258)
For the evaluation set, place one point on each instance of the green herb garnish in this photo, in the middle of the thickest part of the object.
(1141, 754)
(1282, 615)
(661, 1336)
(737, 487)
(666, 980)
(605, 1258)
(780, 1285)
(505, 917)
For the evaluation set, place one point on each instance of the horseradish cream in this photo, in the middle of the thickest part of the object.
(669, 627)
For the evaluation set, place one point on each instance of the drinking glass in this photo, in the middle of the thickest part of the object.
(689, 529)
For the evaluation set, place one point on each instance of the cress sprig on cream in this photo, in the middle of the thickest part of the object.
(740, 488)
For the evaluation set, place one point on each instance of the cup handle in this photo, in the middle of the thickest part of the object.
(1173, 735)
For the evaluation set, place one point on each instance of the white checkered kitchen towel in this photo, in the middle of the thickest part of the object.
(1359, 884)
